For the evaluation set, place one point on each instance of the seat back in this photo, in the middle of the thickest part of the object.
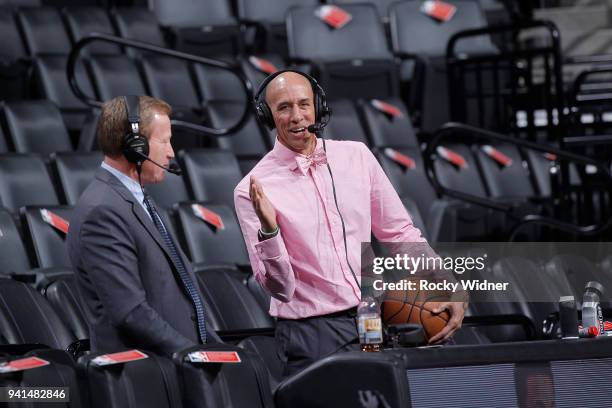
(350, 62)
(312, 39)
(381, 5)
(169, 192)
(63, 295)
(208, 245)
(13, 47)
(115, 75)
(170, 79)
(27, 317)
(243, 385)
(82, 21)
(225, 100)
(24, 181)
(44, 30)
(511, 180)
(36, 127)
(52, 84)
(269, 11)
(138, 24)
(414, 32)
(49, 243)
(150, 382)
(74, 172)
(212, 174)
(186, 13)
(345, 124)
(464, 179)
(233, 306)
(13, 255)
(410, 183)
(386, 130)
(60, 372)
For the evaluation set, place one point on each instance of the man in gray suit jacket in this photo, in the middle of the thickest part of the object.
(137, 286)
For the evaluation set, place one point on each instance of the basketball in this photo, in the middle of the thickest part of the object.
(415, 307)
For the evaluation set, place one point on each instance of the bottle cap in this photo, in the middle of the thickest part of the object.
(593, 286)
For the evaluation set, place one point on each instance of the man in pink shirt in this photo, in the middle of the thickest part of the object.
(304, 230)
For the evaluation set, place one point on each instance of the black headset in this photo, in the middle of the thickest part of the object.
(264, 114)
(135, 145)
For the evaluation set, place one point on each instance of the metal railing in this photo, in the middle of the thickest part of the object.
(507, 90)
(235, 69)
(469, 134)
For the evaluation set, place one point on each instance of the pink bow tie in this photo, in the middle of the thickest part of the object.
(304, 162)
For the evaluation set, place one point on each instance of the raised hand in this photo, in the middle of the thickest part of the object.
(263, 207)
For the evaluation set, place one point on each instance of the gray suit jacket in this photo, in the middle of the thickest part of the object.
(130, 289)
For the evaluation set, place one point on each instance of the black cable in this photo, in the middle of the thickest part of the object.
(341, 218)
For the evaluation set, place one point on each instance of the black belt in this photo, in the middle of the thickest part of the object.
(352, 312)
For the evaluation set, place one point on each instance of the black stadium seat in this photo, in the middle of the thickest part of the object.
(138, 24)
(444, 220)
(36, 127)
(3, 142)
(149, 382)
(27, 317)
(24, 181)
(60, 372)
(255, 74)
(171, 191)
(82, 21)
(261, 295)
(13, 255)
(385, 130)
(74, 171)
(44, 31)
(352, 61)
(268, 16)
(203, 28)
(52, 84)
(212, 174)
(465, 179)
(505, 181)
(13, 48)
(243, 385)
(225, 100)
(381, 5)
(63, 295)
(414, 34)
(210, 246)
(229, 300)
(170, 79)
(115, 75)
(344, 124)
(48, 242)
(13, 64)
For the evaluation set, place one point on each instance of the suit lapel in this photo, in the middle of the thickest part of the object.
(137, 209)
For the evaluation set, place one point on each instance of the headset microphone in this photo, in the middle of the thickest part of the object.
(316, 127)
(172, 167)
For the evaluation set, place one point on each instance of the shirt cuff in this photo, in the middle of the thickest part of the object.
(269, 248)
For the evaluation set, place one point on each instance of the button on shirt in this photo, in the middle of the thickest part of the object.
(304, 267)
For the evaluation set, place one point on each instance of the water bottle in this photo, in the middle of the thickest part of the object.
(369, 325)
(591, 309)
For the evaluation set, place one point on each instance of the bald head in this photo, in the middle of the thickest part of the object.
(284, 81)
(290, 99)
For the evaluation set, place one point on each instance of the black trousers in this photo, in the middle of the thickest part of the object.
(301, 342)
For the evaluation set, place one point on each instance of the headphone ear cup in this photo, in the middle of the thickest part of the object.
(135, 147)
(264, 115)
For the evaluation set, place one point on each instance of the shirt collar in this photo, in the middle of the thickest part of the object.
(127, 181)
(287, 156)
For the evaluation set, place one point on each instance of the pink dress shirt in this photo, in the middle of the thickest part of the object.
(304, 267)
